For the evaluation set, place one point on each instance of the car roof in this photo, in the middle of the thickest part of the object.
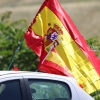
(35, 74)
(2, 73)
(26, 72)
(9, 72)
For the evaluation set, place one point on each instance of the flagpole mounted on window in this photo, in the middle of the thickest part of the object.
(53, 46)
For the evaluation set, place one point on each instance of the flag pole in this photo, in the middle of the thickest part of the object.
(18, 48)
(53, 46)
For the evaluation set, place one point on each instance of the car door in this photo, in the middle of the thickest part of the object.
(12, 88)
(46, 89)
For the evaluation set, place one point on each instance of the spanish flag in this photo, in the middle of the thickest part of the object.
(61, 48)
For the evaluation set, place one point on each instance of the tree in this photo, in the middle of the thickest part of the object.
(11, 41)
(94, 44)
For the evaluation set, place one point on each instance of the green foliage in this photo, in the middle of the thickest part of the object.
(96, 95)
(94, 44)
(11, 40)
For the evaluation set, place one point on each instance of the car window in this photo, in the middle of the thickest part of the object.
(49, 90)
(10, 90)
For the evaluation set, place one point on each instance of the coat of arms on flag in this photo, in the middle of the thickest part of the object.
(53, 37)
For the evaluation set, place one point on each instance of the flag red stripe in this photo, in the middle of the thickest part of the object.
(50, 67)
(34, 42)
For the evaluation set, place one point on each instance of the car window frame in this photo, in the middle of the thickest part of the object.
(28, 88)
(21, 83)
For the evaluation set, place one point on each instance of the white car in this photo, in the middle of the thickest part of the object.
(21, 85)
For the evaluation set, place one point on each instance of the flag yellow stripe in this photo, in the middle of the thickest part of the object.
(69, 51)
(54, 57)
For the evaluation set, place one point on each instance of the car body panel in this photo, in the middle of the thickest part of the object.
(77, 92)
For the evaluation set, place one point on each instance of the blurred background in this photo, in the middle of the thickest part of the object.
(84, 13)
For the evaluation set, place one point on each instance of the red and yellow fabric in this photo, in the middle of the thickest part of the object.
(61, 48)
